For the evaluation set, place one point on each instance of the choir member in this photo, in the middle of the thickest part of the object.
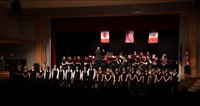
(108, 78)
(100, 78)
(76, 77)
(61, 76)
(68, 76)
(91, 73)
(40, 77)
(83, 77)
(47, 75)
(117, 78)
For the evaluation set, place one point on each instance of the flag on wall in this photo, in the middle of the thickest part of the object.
(153, 37)
(129, 37)
(105, 37)
(44, 53)
(180, 54)
(187, 56)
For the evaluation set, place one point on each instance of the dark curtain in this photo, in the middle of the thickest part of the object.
(85, 43)
(53, 50)
(81, 36)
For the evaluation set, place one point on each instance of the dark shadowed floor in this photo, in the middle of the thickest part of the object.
(20, 94)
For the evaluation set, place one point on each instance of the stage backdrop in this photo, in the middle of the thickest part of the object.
(81, 36)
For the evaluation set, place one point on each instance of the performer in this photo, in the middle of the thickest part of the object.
(117, 78)
(163, 62)
(26, 75)
(86, 62)
(19, 75)
(83, 77)
(133, 82)
(158, 81)
(32, 75)
(40, 78)
(55, 74)
(68, 76)
(76, 77)
(61, 76)
(140, 81)
(108, 78)
(91, 73)
(64, 63)
(175, 80)
(99, 78)
(47, 76)
(70, 61)
(123, 78)
(154, 63)
(144, 64)
(78, 62)
(98, 56)
(167, 82)
(47, 73)
(107, 61)
(146, 82)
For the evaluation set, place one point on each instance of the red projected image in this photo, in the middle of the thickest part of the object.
(153, 37)
(129, 37)
(105, 37)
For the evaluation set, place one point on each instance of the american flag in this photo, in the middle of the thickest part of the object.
(44, 53)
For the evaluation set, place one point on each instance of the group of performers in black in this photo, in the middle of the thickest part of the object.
(138, 73)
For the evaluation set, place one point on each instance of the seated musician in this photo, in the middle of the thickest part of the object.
(64, 63)
(107, 60)
(78, 62)
(70, 61)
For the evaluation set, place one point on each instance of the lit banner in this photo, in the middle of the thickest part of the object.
(153, 37)
(129, 37)
(105, 37)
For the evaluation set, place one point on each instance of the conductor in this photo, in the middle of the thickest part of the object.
(98, 56)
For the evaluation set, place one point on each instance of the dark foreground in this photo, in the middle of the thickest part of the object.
(12, 94)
